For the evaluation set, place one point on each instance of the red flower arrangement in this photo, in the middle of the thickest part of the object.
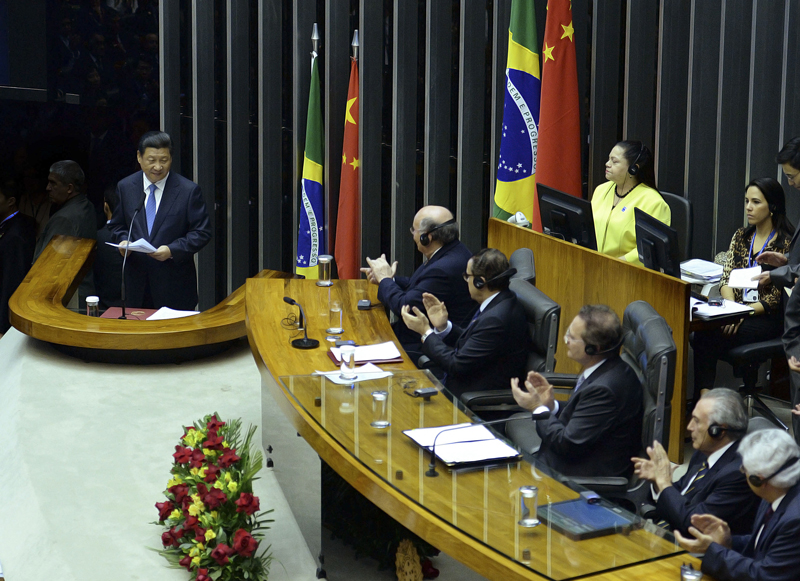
(211, 516)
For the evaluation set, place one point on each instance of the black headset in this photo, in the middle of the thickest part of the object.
(758, 481)
(716, 431)
(425, 238)
(634, 168)
(592, 350)
(481, 282)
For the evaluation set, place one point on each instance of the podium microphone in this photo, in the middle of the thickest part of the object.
(431, 472)
(125, 258)
(305, 342)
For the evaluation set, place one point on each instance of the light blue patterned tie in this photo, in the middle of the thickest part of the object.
(150, 208)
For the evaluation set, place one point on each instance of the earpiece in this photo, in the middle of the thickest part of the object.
(715, 431)
(592, 350)
(425, 238)
(758, 481)
(481, 282)
(634, 168)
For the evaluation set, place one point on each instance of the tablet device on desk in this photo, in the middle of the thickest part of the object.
(577, 519)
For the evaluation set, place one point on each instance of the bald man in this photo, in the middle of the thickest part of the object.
(435, 233)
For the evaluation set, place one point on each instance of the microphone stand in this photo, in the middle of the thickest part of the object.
(125, 260)
(305, 342)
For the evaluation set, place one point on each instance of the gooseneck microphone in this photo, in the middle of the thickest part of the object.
(125, 258)
(305, 342)
(432, 466)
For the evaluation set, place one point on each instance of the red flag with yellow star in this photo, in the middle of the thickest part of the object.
(347, 248)
(559, 157)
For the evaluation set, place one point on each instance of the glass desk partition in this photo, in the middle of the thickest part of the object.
(482, 503)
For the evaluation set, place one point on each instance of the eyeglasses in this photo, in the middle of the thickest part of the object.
(568, 336)
(466, 276)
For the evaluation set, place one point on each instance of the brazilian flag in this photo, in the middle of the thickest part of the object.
(516, 171)
(310, 235)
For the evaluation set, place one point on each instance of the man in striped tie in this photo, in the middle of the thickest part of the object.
(771, 550)
(712, 484)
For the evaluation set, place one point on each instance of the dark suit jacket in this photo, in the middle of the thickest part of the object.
(17, 240)
(76, 217)
(181, 223)
(600, 428)
(723, 492)
(488, 352)
(442, 277)
(776, 558)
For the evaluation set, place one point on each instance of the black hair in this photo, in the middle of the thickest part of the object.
(156, 140)
(603, 327)
(638, 153)
(790, 153)
(9, 187)
(488, 263)
(776, 198)
(69, 172)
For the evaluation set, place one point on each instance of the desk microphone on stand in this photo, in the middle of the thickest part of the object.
(305, 342)
(125, 258)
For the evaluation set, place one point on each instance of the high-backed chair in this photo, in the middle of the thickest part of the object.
(522, 260)
(681, 210)
(543, 316)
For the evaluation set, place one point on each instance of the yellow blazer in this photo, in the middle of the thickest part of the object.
(615, 228)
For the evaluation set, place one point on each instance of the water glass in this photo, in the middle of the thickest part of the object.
(529, 500)
(335, 320)
(324, 262)
(380, 417)
(348, 368)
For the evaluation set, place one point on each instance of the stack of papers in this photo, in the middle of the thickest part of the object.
(140, 245)
(470, 444)
(380, 353)
(700, 271)
(706, 311)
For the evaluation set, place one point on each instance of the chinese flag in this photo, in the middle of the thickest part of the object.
(348, 226)
(559, 156)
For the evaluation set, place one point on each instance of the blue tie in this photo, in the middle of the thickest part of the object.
(150, 208)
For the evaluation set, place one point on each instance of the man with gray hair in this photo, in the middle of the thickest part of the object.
(713, 483)
(772, 549)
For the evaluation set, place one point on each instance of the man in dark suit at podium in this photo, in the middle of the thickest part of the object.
(713, 483)
(599, 429)
(435, 233)
(172, 217)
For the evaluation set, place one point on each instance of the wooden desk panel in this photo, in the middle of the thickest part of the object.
(461, 513)
(574, 276)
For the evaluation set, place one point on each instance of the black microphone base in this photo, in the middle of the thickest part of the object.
(432, 472)
(305, 343)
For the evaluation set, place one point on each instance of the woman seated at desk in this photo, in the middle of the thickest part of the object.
(768, 229)
(632, 184)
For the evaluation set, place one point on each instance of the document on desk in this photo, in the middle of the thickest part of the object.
(470, 444)
(743, 277)
(363, 373)
(165, 313)
(140, 245)
(706, 311)
(382, 352)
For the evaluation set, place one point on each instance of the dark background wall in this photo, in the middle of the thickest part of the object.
(710, 84)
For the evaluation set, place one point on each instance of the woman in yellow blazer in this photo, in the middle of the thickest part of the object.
(632, 184)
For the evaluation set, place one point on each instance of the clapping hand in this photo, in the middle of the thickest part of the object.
(539, 392)
(657, 468)
(437, 312)
(379, 268)
(415, 319)
(705, 529)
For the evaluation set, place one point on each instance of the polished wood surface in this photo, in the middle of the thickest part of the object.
(574, 276)
(37, 309)
(472, 515)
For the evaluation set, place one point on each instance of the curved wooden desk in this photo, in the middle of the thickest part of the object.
(471, 516)
(37, 309)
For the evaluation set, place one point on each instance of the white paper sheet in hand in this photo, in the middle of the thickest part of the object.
(743, 277)
(140, 245)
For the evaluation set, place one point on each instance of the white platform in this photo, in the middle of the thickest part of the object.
(86, 452)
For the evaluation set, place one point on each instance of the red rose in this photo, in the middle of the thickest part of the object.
(186, 503)
(182, 454)
(244, 543)
(197, 459)
(202, 575)
(180, 491)
(247, 503)
(164, 510)
(191, 523)
(214, 498)
(211, 473)
(213, 441)
(201, 488)
(228, 457)
(214, 424)
(186, 562)
(168, 540)
(221, 554)
(200, 535)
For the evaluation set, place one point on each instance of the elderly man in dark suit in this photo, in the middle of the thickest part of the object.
(172, 217)
(600, 427)
(490, 350)
(435, 233)
(770, 552)
(713, 483)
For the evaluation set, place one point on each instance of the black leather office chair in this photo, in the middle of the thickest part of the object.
(543, 316)
(681, 210)
(745, 360)
(522, 260)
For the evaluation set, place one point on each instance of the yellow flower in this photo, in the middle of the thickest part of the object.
(214, 514)
(175, 514)
(202, 472)
(196, 508)
(196, 562)
(210, 535)
(194, 471)
(233, 486)
(195, 551)
(218, 485)
(195, 498)
(210, 453)
(174, 481)
(228, 477)
(225, 444)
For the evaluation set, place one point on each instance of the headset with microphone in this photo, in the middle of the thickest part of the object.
(633, 169)
(481, 282)
(759, 481)
(425, 239)
(716, 431)
(593, 350)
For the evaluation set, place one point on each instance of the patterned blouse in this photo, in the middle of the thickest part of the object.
(737, 257)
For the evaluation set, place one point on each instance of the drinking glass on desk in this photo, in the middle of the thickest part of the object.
(380, 418)
(348, 368)
(335, 321)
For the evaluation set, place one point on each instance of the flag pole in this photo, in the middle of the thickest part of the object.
(354, 45)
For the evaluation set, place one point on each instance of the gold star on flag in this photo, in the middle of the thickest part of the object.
(355, 163)
(344, 159)
(568, 31)
(348, 117)
(548, 53)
